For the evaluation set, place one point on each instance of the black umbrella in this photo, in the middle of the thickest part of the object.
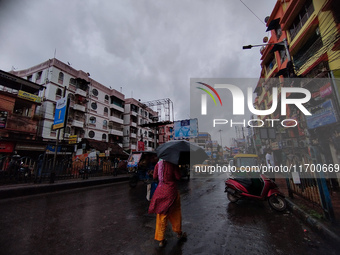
(181, 152)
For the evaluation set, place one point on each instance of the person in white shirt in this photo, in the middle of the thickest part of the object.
(270, 161)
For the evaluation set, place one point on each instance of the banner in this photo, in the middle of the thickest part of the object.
(185, 129)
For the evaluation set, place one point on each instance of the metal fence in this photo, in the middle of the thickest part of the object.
(26, 169)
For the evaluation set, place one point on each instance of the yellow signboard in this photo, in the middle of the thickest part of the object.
(72, 139)
(29, 96)
(102, 155)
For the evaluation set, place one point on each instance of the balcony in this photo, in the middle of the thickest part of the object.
(80, 92)
(133, 135)
(116, 119)
(133, 124)
(77, 123)
(116, 132)
(116, 107)
(79, 107)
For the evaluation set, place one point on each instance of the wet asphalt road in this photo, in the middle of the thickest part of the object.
(113, 219)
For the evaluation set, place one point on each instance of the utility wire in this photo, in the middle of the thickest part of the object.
(252, 12)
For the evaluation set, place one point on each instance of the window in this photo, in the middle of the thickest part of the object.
(91, 134)
(134, 108)
(94, 106)
(301, 19)
(104, 123)
(106, 98)
(95, 92)
(270, 65)
(61, 78)
(68, 130)
(92, 120)
(278, 32)
(38, 76)
(104, 137)
(73, 82)
(283, 55)
(106, 111)
(22, 108)
(59, 92)
(308, 50)
(29, 77)
(53, 131)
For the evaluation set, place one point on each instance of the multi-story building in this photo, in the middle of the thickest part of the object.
(203, 140)
(304, 43)
(95, 111)
(165, 133)
(137, 116)
(19, 100)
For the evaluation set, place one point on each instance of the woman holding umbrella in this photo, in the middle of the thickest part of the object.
(166, 201)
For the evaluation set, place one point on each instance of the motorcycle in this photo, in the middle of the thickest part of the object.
(261, 188)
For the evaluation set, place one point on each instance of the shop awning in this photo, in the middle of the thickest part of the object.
(273, 24)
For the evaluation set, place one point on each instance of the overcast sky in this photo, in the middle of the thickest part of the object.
(150, 48)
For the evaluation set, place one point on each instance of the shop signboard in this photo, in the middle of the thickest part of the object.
(50, 149)
(72, 139)
(322, 115)
(6, 147)
(29, 96)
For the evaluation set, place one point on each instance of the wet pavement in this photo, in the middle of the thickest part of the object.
(113, 219)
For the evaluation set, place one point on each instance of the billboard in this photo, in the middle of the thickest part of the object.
(323, 114)
(185, 129)
(60, 113)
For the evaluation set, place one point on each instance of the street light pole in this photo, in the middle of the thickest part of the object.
(283, 42)
(221, 142)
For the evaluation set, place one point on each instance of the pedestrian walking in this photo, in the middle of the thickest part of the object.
(166, 201)
(270, 162)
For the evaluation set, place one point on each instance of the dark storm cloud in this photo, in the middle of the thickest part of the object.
(149, 49)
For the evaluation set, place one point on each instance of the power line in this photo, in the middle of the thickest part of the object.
(252, 12)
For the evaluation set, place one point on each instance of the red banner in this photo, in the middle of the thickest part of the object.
(141, 146)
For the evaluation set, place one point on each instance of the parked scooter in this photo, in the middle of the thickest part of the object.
(261, 188)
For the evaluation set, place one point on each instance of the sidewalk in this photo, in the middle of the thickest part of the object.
(312, 215)
(26, 189)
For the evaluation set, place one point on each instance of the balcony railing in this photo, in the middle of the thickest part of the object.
(79, 107)
(116, 119)
(80, 92)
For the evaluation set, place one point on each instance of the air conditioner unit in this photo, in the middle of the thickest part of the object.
(67, 135)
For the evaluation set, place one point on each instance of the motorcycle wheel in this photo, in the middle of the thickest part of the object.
(232, 198)
(278, 203)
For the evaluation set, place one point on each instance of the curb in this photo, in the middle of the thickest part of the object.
(34, 189)
(313, 223)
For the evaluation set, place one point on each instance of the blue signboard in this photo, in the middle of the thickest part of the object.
(185, 129)
(323, 114)
(60, 113)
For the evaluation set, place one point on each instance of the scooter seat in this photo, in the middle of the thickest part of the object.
(246, 182)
